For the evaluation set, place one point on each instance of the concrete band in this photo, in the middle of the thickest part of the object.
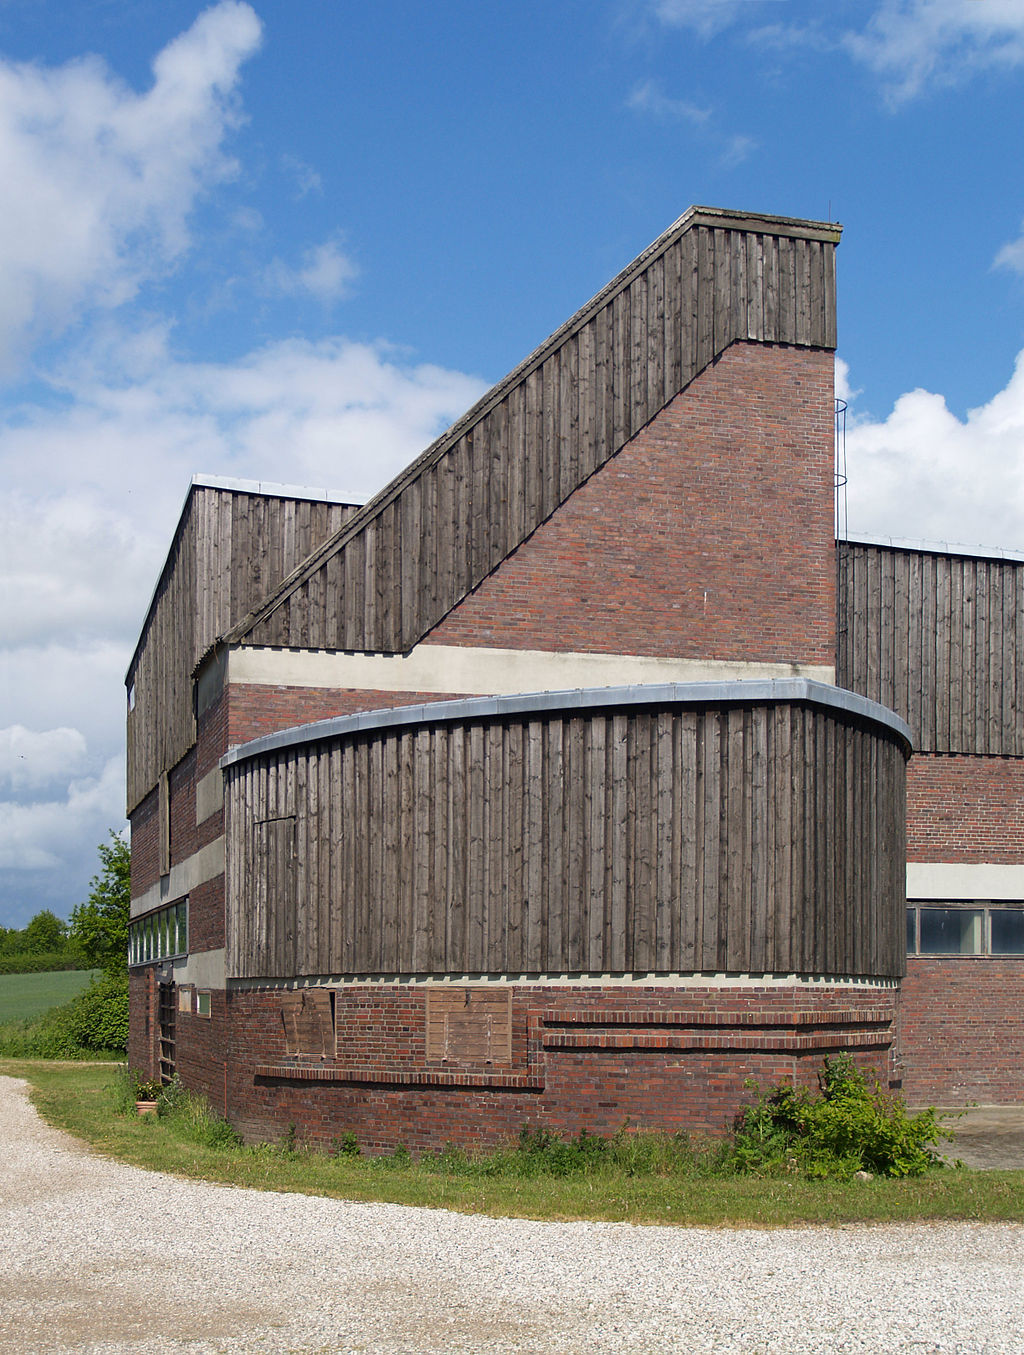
(205, 864)
(480, 670)
(696, 694)
(957, 880)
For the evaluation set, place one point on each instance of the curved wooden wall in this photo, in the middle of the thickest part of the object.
(746, 838)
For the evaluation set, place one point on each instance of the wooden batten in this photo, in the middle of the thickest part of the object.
(938, 638)
(713, 279)
(230, 548)
(748, 838)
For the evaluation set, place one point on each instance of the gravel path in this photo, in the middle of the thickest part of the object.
(100, 1257)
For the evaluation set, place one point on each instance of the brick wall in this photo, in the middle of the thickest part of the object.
(142, 1018)
(581, 1058)
(200, 1049)
(257, 710)
(962, 1030)
(968, 809)
(145, 844)
(710, 535)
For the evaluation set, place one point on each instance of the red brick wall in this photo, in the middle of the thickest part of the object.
(962, 1030)
(145, 845)
(142, 1021)
(968, 809)
(710, 535)
(181, 785)
(200, 1049)
(582, 1058)
(258, 710)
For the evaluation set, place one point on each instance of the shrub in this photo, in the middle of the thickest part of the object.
(848, 1127)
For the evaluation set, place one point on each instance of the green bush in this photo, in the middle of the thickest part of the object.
(848, 1127)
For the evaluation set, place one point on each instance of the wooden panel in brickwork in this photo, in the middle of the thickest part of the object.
(440, 527)
(308, 1020)
(471, 1025)
(230, 550)
(940, 640)
(743, 839)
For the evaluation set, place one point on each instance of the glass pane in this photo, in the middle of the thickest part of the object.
(951, 931)
(1007, 931)
(911, 938)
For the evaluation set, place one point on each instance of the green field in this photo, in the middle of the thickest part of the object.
(23, 996)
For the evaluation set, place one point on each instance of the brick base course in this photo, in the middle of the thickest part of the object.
(582, 1058)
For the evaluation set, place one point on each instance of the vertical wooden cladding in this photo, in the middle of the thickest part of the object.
(750, 839)
(940, 640)
(480, 491)
(231, 548)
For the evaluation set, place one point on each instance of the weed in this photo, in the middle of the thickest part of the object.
(848, 1127)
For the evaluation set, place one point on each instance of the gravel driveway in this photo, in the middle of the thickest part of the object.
(99, 1257)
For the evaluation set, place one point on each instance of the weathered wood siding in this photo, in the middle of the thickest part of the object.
(231, 548)
(765, 838)
(939, 639)
(428, 539)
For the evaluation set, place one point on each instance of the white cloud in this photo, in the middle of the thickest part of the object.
(1012, 255)
(914, 43)
(705, 17)
(924, 474)
(30, 759)
(47, 835)
(106, 177)
(324, 273)
(648, 98)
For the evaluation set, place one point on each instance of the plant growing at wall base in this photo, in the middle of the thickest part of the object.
(846, 1128)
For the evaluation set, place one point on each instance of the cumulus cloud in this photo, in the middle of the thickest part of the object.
(107, 177)
(324, 273)
(30, 759)
(924, 474)
(45, 835)
(915, 43)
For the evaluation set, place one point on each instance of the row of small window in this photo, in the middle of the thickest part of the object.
(159, 936)
(965, 929)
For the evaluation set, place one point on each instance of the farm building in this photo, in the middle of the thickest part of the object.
(582, 774)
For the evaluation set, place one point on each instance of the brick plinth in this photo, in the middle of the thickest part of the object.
(962, 1028)
(588, 1058)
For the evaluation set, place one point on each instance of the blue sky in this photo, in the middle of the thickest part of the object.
(292, 241)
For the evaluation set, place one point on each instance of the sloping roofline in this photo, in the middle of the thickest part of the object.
(714, 217)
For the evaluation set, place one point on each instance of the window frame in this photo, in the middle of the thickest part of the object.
(986, 907)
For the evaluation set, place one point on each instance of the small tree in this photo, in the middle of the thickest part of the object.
(44, 934)
(100, 925)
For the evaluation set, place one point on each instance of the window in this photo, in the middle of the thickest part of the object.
(202, 1004)
(967, 927)
(160, 935)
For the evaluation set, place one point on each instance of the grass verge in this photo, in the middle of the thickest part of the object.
(79, 1098)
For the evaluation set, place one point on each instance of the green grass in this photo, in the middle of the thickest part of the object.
(24, 996)
(79, 1099)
